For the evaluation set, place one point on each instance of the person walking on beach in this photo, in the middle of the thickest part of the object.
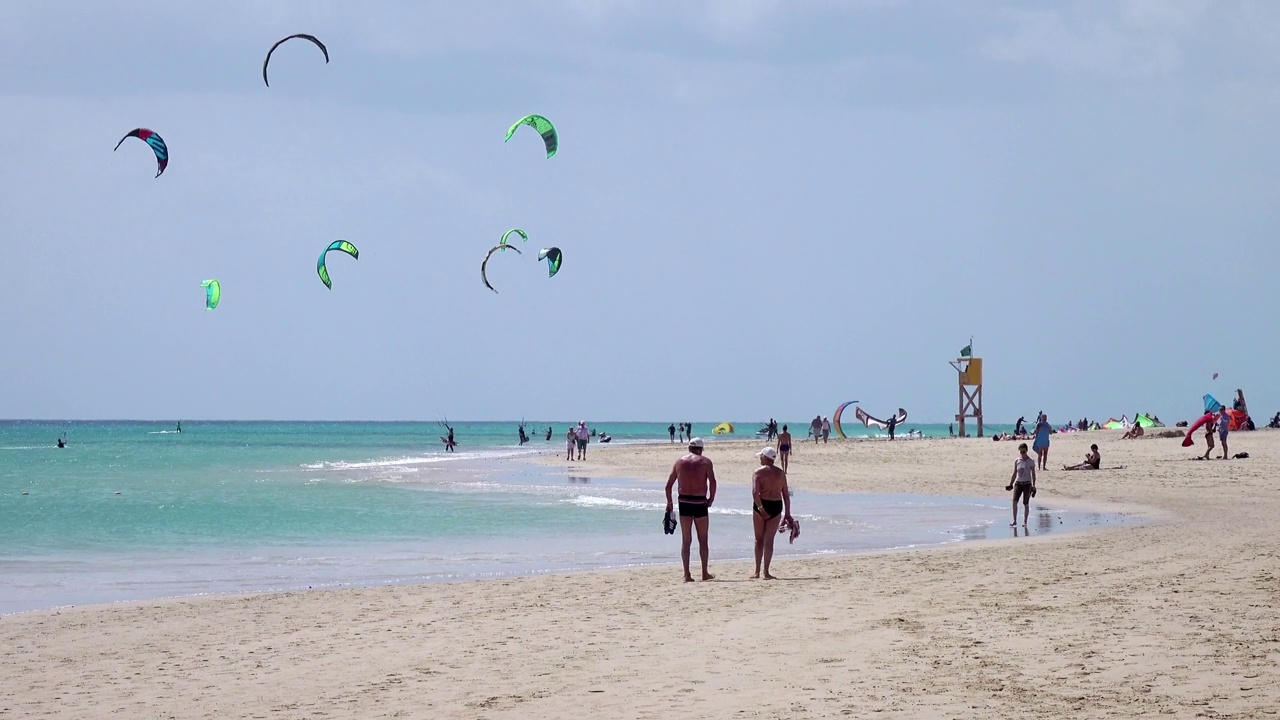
(784, 447)
(671, 430)
(583, 435)
(826, 430)
(1224, 426)
(893, 423)
(770, 503)
(697, 480)
(1041, 443)
(680, 433)
(815, 428)
(1023, 485)
(571, 442)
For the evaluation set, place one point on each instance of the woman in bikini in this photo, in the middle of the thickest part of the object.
(770, 503)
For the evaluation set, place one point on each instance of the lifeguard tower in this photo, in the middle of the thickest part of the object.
(969, 370)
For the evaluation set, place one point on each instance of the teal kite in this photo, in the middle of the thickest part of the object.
(212, 293)
(485, 264)
(342, 245)
(523, 236)
(544, 128)
(553, 257)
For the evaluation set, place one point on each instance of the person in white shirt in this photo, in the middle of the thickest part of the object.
(583, 435)
(1023, 484)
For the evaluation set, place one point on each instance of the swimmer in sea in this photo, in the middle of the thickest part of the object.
(784, 448)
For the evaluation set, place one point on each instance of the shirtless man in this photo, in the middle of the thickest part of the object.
(770, 503)
(697, 493)
(784, 447)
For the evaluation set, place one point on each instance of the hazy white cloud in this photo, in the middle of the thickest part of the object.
(1138, 38)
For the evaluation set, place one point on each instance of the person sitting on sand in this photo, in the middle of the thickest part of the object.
(770, 505)
(1275, 421)
(1134, 432)
(1092, 461)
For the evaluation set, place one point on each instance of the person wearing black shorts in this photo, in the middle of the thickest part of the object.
(697, 479)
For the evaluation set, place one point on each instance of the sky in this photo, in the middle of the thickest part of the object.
(765, 208)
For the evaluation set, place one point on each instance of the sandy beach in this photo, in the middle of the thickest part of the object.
(1176, 617)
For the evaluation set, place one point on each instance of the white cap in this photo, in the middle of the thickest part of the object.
(695, 443)
(769, 453)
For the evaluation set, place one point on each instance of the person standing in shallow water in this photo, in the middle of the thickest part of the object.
(1023, 485)
(671, 430)
(770, 503)
(697, 480)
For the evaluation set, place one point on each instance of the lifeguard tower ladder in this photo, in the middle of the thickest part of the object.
(969, 370)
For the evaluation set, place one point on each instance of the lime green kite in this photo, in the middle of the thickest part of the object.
(544, 128)
(342, 245)
(212, 293)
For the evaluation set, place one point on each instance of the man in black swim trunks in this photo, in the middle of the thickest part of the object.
(770, 502)
(697, 480)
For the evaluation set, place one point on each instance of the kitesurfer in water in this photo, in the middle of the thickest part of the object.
(449, 443)
(548, 433)
(523, 437)
(61, 444)
(179, 426)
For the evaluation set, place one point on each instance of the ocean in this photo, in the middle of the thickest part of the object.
(135, 510)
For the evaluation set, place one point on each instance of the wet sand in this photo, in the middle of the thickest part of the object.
(1176, 617)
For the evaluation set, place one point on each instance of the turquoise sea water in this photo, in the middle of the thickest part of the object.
(132, 510)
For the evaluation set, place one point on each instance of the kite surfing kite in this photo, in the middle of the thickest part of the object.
(342, 245)
(868, 421)
(544, 128)
(724, 428)
(835, 417)
(553, 257)
(157, 146)
(212, 293)
(304, 36)
(485, 264)
(523, 236)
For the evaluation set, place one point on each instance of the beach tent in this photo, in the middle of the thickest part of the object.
(723, 428)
